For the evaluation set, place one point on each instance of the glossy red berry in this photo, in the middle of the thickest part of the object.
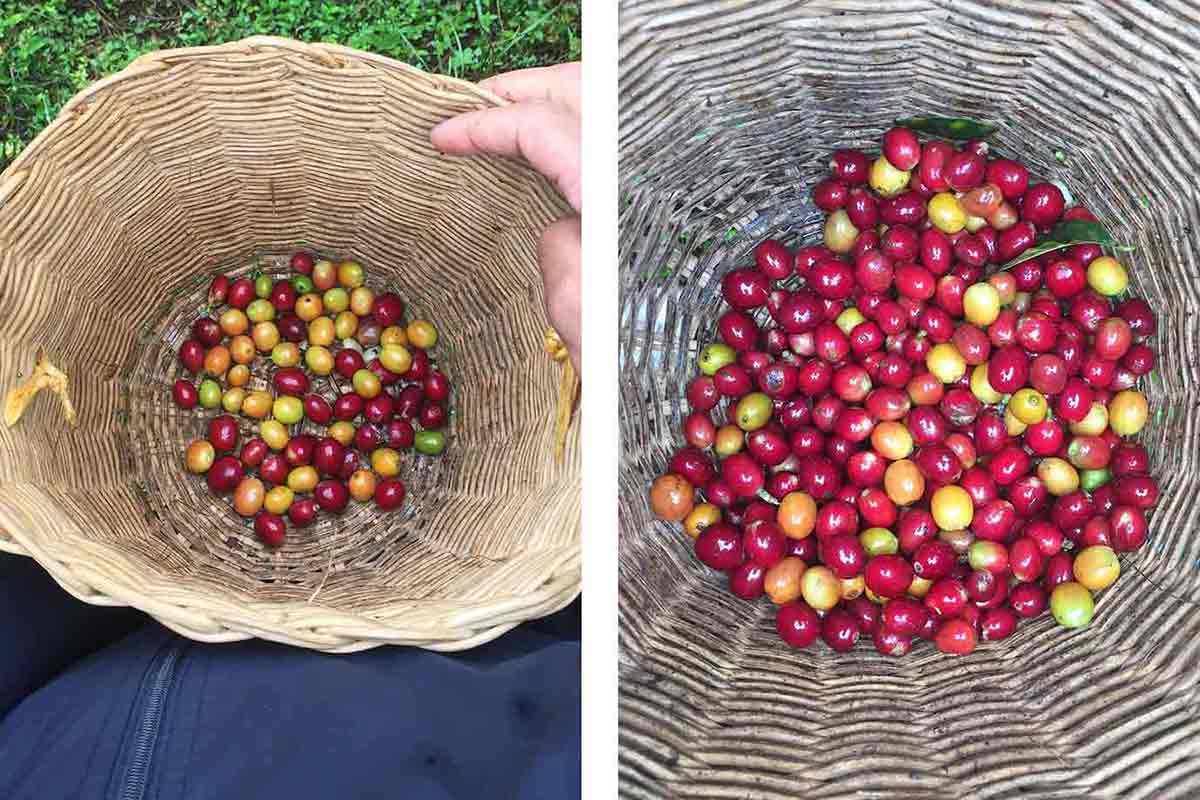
(955, 637)
(719, 547)
(798, 624)
(888, 575)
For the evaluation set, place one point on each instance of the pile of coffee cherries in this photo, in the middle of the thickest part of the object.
(329, 376)
(896, 438)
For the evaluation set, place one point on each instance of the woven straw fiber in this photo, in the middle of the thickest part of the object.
(193, 162)
(729, 113)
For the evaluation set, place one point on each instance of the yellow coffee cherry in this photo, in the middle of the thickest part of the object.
(234, 322)
(239, 375)
(945, 213)
(1107, 276)
(849, 319)
(386, 462)
(321, 331)
(1059, 476)
(919, 587)
(279, 499)
(982, 388)
(1096, 567)
(257, 404)
(820, 588)
(952, 508)
(342, 431)
(274, 433)
(945, 362)
(974, 224)
(303, 479)
(1095, 422)
(309, 307)
(886, 180)
(1012, 423)
(396, 358)
(701, 517)
(200, 455)
(981, 304)
(393, 334)
(852, 587)
(421, 333)
(362, 301)
(1028, 405)
(351, 274)
(319, 360)
(265, 335)
(285, 354)
(345, 325)
(336, 300)
(367, 384)
(241, 349)
(840, 233)
(233, 398)
(1128, 412)
(362, 485)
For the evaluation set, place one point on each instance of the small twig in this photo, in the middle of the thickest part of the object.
(100, 13)
(324, 577)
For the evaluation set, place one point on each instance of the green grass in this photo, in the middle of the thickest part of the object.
(51, 49)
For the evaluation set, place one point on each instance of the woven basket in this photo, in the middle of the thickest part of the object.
(193, 162)
(730, 111)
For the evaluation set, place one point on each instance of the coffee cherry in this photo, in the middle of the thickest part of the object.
(1107, 276)
(1072, 605)
(952, 508)
(907, 373)
(1128, 412)
(955, 637)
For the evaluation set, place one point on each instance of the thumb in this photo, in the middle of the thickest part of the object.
(561, 254)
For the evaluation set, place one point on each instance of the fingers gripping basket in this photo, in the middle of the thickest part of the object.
(192, 162)
(730, 112)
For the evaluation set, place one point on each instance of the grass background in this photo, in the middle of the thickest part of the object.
(50, 49)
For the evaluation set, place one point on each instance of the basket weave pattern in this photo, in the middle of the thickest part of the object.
(729, 113)
(192, 162)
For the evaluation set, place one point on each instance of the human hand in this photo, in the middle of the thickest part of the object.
(542, 126)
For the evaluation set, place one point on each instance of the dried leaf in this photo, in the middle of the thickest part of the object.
(45, 376)
(568, 389)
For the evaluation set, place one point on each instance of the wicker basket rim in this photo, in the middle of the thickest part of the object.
(323, 53)
(454, 626)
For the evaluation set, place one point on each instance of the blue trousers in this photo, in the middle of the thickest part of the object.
(104, 704)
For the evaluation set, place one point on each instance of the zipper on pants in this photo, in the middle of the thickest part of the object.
(153, 699)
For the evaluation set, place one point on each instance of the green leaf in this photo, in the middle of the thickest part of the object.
(1082, 230)
(1068, 234)
(12, 20)
(949, 127)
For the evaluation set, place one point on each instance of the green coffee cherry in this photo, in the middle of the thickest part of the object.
(431, 443)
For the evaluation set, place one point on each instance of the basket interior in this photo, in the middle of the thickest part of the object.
(729, 115)
(111, 227)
